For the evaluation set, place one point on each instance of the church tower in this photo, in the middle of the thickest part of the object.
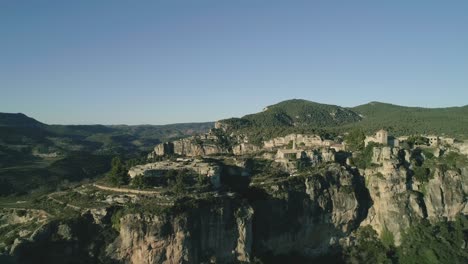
(382, 137)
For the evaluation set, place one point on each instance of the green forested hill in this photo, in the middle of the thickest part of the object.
(303, 116)
(402, 120)
(297, 113)
(18, 120)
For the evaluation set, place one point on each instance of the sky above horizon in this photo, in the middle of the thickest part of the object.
(160, 62)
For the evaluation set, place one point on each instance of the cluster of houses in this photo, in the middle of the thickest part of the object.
(307, 141)
(433, 140)
(303, 146)
(285, 150)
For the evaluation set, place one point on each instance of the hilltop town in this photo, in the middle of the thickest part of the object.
(255, 185)
(286, 151)
(416, 176)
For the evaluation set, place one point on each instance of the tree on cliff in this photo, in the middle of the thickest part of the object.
(118, 174)
(140, 182)
(355, 140)
(368, 249)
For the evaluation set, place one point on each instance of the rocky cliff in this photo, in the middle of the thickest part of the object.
(188, 147)
(220, 232)
(311, 215)
(308, 215)
(400, 200)
(446, 195)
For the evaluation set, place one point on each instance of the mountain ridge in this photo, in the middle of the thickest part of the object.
(18, 119)
(281, 118)
(296, 113)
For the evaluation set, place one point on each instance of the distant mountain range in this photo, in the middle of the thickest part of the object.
(21, 134)
(34, 155)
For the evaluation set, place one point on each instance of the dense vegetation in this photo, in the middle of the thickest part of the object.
(401, 120)
(439, 243)
(424, 163)
(442, 242)
(368, 249)
(48, 175)
(301, 116)
(118, 174)
(355, 140)
(291, 116)
(297, 113)
(363, 158)
(178, 182)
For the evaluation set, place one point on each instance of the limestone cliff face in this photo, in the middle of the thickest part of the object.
(221, 233)
(395, 206)
(328, 155)
(309, 216)
(200, 147)
(190, 147)
(445, 195)
(400, 200)
(76, 240)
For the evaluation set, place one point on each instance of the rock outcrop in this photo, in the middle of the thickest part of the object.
(394, 206)
(190, 147)
(157, 169)
(221, 233)
(399, 200)
(462, 147)
(446, 195)
(309, 215)
(68, 241)
(327, 155)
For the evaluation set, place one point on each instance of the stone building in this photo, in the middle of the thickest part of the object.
(446, 140)
(382, 137)
(433, 140)
(289, 154)
(300, 139)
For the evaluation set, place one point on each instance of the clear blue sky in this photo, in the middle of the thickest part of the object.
(157, 62)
